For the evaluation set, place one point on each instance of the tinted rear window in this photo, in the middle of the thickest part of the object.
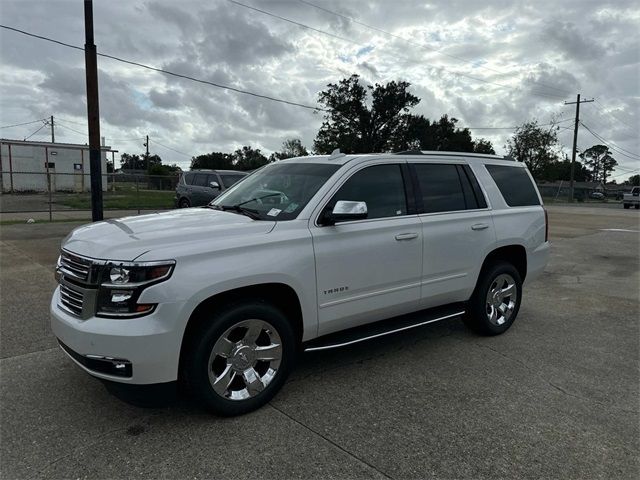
(188, 178)
(441, 188)
(515, 185)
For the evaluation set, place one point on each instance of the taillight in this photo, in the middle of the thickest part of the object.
(546, 225)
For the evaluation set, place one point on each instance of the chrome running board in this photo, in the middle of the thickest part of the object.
(380, 329)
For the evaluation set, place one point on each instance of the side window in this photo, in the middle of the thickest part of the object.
(481, 202)
(212, 177)
(440, 187)
(200, 180)
(515, 185)
(188, 178)
(381, 186)
(229, 179)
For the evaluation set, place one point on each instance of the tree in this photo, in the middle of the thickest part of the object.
(213, 161)
(138, 162)
(599, 160)
(534, 146)
(483, 145)
(131, 162)
(561, 170)
(634, 180)
(292, 147)
(248, 158)
(355, 127)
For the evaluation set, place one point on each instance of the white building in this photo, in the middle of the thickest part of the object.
(33, 166)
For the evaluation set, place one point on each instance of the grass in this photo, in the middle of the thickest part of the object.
(56, 220)
(124, 197)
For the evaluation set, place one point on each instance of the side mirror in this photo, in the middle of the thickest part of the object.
(214, 185)
(346, 210)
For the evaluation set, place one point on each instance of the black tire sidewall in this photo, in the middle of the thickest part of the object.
(476, 315)
(197, 358)
(184, 203)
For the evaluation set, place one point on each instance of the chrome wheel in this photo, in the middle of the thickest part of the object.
(245, 359)
(502, 297)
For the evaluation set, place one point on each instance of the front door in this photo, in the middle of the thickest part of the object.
(368, 269)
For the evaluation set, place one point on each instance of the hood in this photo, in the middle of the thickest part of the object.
(130, 237)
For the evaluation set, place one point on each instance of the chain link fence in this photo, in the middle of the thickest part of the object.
(60, 195)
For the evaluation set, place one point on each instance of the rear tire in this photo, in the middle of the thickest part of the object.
(240, 357)
(637, 206)
(626, 205)
(495, 302)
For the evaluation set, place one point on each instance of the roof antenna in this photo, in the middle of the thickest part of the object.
(336, 154)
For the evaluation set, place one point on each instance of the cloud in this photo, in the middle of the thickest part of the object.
(486, 63)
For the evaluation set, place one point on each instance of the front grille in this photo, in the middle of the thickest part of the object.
(75, 267)
(71, 299)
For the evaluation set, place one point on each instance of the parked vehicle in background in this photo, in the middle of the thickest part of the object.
(308, 253)
(198, 187)
(597, 195)
(632, 198)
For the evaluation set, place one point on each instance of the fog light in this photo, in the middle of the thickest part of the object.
(119, 296)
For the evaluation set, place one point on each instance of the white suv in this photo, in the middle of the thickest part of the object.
(304, 254)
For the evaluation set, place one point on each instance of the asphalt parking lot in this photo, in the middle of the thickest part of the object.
(557, 396)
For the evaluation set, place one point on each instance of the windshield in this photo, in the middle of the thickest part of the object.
(278, 191)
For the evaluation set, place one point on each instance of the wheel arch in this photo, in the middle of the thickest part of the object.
(514, 254)
(280, 295)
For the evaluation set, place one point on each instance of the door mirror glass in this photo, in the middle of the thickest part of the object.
(214, 185)
(346, 210)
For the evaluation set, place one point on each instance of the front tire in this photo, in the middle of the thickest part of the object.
(240, 358)
(184, 203)
(626, 205)
(495, 302)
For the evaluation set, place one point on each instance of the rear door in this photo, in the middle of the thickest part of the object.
(457, 230)
(368, 269)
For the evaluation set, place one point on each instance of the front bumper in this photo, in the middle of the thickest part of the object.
(149, 346)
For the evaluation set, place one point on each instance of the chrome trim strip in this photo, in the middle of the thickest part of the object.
(370, 294)
(338, 345)
(443, 279)
(93, 372)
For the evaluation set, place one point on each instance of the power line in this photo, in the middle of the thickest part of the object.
(604, 109)
(41, 127)
(423, 46)
(173, 74)
(636, 158)
(624, 173)
(513, 128)
(25, 123)
(169, 148)
(344, 39)
(84, 134)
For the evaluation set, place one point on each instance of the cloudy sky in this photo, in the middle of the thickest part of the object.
(491, 63)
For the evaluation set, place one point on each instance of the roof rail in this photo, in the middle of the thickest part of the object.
(410, 152)
(448, 153)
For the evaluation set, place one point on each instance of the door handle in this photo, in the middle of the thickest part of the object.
(406, 236)
(479, 226)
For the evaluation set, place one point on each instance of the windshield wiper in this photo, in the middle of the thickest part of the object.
(249, 212)
(238, 207)
(257, 198)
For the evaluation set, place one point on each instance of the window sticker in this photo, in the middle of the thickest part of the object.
(274, 212)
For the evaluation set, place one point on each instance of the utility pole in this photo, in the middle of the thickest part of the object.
(53, 135)
(93, 114)
(146, 155)
(575, 142)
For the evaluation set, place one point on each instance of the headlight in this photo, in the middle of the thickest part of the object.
(122, 284)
